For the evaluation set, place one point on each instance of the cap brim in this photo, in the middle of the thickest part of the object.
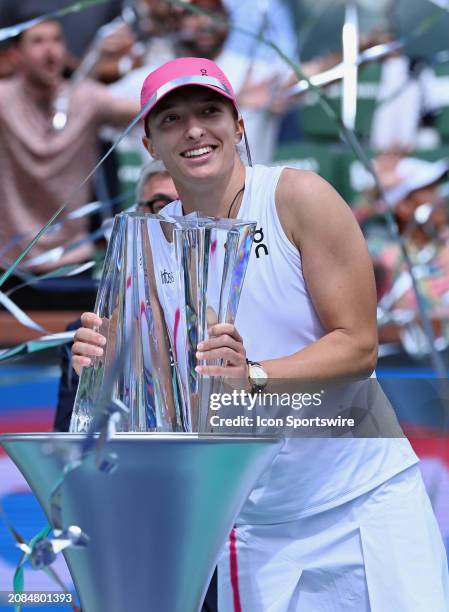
(164, 91)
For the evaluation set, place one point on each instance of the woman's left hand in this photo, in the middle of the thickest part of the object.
(225, 343)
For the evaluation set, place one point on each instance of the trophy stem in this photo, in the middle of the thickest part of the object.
(157, 523)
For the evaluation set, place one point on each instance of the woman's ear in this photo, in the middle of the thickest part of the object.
(149, 147)
(239, 129)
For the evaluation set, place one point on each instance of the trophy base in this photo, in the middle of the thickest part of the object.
(157, 523)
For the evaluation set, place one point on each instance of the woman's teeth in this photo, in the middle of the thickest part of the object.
(198, 152)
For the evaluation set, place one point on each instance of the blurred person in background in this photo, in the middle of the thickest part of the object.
(414, 193)
(149, 43)
(79, 27)
(155, 188)
(46, 153)
(272, 19)
(408, 92)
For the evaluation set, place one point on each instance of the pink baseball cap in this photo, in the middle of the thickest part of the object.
(181, 72)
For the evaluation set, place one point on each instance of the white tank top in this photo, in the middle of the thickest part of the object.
(276, 318)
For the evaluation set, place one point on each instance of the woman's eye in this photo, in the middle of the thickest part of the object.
(210, 110)
(169, 118)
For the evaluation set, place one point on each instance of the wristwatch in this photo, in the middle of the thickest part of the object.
(257, 376)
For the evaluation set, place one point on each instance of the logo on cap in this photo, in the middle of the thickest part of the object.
(203, 71)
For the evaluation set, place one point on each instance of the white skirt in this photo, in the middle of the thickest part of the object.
(381, 552)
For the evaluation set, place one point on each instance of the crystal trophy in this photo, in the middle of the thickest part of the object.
(165, 281)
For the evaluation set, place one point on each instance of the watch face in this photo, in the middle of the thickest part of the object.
(258, 375)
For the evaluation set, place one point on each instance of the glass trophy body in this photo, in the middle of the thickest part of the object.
(165, 281)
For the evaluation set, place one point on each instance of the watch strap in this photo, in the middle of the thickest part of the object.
(254, 386)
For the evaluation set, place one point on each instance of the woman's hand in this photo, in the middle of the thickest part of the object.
(225, 343)
(87, 342)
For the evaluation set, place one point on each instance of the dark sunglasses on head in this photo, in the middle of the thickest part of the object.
(157, 202)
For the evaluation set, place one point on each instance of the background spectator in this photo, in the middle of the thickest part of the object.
(406, 95)
(44, 161)
(412, 190)
(273, 19)
(79, 28)
(49, 162)
(150, 42)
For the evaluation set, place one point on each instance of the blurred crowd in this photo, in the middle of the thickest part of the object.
(69, 87)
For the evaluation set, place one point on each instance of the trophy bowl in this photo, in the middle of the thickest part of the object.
(157, 523)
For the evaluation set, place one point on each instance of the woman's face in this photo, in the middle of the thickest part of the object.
(194, 131)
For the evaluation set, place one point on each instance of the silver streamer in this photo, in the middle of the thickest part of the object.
(19, 314)
(336, 73)
(350, 42)
(83, 211)
(443, 4)
(15, 30)
(33, 346)
(63, 271)
(40, 552)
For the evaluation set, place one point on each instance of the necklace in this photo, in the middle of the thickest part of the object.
(234, 200)
(241, 190)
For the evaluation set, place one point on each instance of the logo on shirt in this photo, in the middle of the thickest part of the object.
(258, 241)
(167, 277)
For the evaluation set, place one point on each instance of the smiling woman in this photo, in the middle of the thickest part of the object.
(195, 132)
(307, 312)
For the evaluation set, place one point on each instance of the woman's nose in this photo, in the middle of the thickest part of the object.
(194, 129)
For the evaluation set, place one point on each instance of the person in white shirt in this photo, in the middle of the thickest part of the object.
(340, 524)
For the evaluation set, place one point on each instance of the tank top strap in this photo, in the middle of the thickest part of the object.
(260, 190)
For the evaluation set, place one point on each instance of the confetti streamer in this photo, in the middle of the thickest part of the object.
(76, 7)
(19, 314)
